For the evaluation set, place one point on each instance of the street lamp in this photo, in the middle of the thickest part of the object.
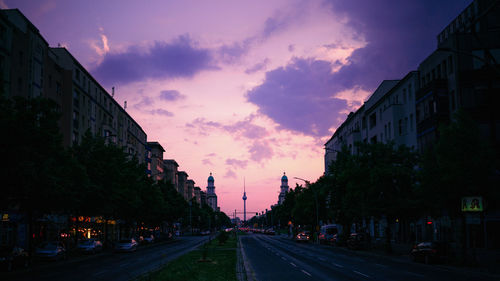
(315, 198)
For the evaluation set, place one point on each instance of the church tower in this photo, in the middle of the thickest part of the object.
(211, 196)
(284, 188)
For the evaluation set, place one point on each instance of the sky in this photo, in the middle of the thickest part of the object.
(246, 90)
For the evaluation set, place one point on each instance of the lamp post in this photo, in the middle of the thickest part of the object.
(315, 198)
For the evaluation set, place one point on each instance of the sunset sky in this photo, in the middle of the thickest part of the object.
(243, 89)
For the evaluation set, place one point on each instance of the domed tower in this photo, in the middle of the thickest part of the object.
(211, 196)
(284, 188)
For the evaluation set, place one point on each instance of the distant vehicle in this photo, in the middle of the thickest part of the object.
(328, 234)
(11, 257)
(358, 241)
(89, 246)
(303, 236)
(126, 245)
(149, 239)
(51, 250)
(270, 231)
(205, 232)
(429, 252)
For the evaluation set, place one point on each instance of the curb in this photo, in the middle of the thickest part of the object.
(250, 274)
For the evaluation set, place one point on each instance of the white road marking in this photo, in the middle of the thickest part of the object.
(322, 259)
(293, 264)
(100, 272)
(381, 265)
(283, 258)
(361, 274)
(124, 264)
(415, 274)
(337, 265)
(305, 272)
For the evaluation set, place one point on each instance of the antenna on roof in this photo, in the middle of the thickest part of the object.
(125, 105)
(112, 91)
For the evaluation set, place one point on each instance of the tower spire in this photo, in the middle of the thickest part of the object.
(244, 201)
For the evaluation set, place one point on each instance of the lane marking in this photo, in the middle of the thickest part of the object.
(305, 272)
(415, 274)
(361, 274)
(337, 265)
(322, 259)
(124, 264)
(283, 258)
(100, 272)
(381, 265)
(293, 264)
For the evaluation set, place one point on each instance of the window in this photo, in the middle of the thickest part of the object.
(411, 122)
(452, 100)
(380, 114)
(404, 96)
(373, 120)
(389, 130)
(450, 64)
(76, 99)
(439, 71)
(385, 131)
(405, 126)
(21, 58)
(77, 74)
(400, 127)
(445, 72)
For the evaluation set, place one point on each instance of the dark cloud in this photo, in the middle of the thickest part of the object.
(231, 53)
(244, 128)
(237, 163)
(171, 95)
(179, 58)
(299, 97)
(399, 35)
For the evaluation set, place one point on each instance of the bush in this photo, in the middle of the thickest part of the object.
(223, 236)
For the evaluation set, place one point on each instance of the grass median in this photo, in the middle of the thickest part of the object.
(210, 262)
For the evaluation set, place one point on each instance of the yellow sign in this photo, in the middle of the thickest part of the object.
(5, 217)
(472, 204)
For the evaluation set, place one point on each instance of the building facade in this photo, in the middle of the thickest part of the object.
(211, 196)
(283, 189)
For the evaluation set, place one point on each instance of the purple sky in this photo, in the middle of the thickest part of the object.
(243, 89)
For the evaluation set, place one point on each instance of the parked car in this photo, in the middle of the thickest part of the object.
(126, 245)
(11, 257)
(328, 234)
(205, 232)
(149, 239)
(51, 250)
(89, 246)
(358, 241)
(270, 231)
(303, 236)
(429, 252)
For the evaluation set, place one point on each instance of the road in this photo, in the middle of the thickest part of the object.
(279, 258)
(107, 265)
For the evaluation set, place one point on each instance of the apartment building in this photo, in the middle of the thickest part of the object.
(171, 169)
(388, 115)
(157, 167)
(182, 182)
(189, 192)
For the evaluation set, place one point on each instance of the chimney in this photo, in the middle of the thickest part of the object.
(112, 91)
(125, 105)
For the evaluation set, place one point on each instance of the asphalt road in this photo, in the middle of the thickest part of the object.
(278, 258)
(107, 265)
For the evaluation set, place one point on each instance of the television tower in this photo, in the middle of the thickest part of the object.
(244, 202)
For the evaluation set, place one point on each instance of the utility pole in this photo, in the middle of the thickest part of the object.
(244, 202)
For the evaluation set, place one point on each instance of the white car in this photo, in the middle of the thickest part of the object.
(126, 245)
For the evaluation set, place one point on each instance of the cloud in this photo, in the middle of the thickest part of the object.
(180, 58)
(230, 53)
(143, 103)
(260, 150)
(399, 36)
(258, 67)
(230, 174)
(101, 50)
(299, 97)
(211, 155)
(237, 163)
(171, 95)
(3, 5)
(207, 162)
(162, 112)
(304, 95)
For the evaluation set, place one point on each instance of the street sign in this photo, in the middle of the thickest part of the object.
(472, 204)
